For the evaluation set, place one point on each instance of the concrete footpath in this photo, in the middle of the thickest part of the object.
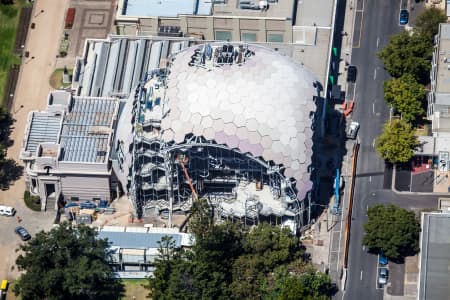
(31, 94)
(337, 242)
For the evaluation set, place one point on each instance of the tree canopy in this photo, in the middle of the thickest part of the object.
(406, 95)
(397, 142)
(9, 169)
(408, 54)
(66, 263)
(229, 261)
(393, 230)
(427, 22)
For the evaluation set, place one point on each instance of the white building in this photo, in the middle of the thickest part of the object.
(66, 149)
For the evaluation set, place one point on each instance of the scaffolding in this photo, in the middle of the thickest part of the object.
(237, 184)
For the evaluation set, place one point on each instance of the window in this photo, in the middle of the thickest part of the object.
(275, 38)
(248, 37)
(223, 35)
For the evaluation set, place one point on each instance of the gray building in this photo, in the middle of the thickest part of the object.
(434, 273)
(439, 97)
(134, 249)
(67, 147)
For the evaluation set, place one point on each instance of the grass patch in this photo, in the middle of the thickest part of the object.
(32, 202)
(135, 287)
(9, 19)
(56, 79)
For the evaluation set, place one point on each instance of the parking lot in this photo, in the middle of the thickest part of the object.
(9, 241)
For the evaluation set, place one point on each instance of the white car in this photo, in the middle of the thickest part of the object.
(382, 276)
(352, 131)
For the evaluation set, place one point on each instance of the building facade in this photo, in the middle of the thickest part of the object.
(67, 148)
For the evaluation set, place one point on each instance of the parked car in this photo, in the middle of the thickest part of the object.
(383, 276)
(352, 131)
(71, 204)
(404, 17)
(351, 74)
(88, 205)
(23, 233)
(382, 259)
(7, 211)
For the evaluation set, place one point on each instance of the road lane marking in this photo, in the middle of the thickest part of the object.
(360, 277)
(375, 74)
(378, 42)
(370, 178)
(373, 107)
(373, 143)
(364, 248)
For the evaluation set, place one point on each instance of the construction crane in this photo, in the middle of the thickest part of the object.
(182, 159)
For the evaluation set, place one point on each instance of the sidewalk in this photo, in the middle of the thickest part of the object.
(33, 84)
(336, 245)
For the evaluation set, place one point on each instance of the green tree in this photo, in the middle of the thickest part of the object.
(265, 248)
(427, 22)
(406, 95)
(66, 263)
(316, 284)
(393, 230)
(397, 142)
(408, 54)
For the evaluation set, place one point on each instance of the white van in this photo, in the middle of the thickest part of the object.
(7, 210)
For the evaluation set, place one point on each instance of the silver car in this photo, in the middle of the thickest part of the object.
(383, 276)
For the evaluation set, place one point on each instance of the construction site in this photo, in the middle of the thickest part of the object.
(229, 122)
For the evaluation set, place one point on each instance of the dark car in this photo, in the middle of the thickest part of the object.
(88, 205)
(23, 233)
(404, 17)
(351, 74)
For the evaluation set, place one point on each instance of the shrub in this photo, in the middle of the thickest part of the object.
(32, 202)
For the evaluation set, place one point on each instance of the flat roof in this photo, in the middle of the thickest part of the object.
(137, 240)
(166, 8)
(44, 128)
(435, 257)
(283, 9)
(87, 129)
(443, 61)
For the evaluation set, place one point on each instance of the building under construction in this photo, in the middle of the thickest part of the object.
(228, 122)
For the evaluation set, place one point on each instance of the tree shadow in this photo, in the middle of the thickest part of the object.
(10, 171)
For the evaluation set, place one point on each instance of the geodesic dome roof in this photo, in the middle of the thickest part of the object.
(261, 107)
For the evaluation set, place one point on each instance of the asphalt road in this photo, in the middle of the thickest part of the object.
(377, 22)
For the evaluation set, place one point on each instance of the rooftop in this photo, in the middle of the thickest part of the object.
(435, 257)
(261, 105)
(44, 128)
(283, 9)
(443, 61)
(132, 58)
(137, 240)
(87, 128)
(165, 8)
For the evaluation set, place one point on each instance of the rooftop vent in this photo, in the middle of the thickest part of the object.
(208, 56)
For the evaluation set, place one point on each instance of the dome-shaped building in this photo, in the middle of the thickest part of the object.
(234, 120)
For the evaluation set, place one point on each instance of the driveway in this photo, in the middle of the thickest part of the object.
(31, 93)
